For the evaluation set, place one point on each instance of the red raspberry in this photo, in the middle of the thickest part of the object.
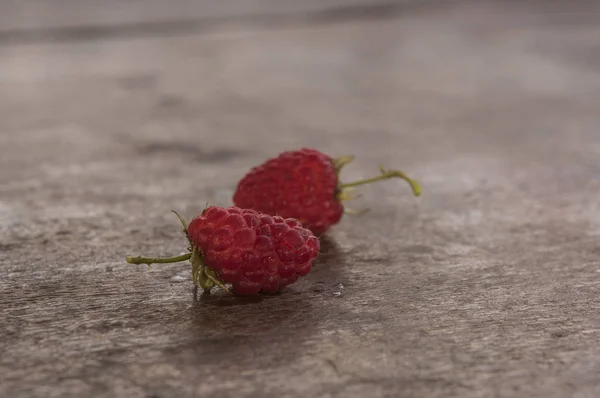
(303, 184)
(253, 252)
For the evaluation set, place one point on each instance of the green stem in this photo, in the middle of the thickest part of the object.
(197, 265)
(203, 275)
(210, 274)
(185, 227)
(385, 175)
(340, 162)
(205, 283)
(150, 260)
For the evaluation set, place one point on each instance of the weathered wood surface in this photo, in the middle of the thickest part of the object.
(67, 20)
(487, 286)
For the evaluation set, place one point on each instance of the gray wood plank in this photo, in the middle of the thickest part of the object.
(44, 14)
(487, 286)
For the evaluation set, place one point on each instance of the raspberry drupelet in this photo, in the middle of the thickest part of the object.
(304, 184)
(253, 252)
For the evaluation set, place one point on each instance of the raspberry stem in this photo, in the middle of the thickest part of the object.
(353, 212)
(201, 274)
(340, 162)
(386, 174)
(157, 260)
(184, 225)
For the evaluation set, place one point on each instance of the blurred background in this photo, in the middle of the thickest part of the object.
(85, 85)
(113, 112)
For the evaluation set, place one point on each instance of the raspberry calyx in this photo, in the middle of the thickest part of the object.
(201, 275)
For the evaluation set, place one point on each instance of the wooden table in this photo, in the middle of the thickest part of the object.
(486, 286)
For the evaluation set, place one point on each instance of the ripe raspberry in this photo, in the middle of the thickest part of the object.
(304, 184)
(253, 252)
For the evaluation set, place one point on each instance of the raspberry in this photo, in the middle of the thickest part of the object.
(253, 252)
(304, 184)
